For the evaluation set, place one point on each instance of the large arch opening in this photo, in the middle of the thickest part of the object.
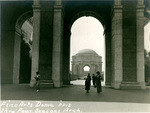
(23, 48)
(87, 33)
(25, 51)
(86, 70)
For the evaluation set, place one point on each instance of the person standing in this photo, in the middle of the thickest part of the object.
(37, 84)
(88, 83)
(98, 82)
(93, 79)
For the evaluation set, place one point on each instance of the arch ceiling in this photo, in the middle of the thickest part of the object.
(75, 9)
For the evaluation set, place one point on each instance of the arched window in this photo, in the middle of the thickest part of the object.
(86, 70)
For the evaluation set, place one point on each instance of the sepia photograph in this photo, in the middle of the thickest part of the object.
(74, 56)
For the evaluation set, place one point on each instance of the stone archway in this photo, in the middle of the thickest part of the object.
(115, 14)
(17, 45)
(107, 27)
(87, 13)
(107, 35)
(124, 35)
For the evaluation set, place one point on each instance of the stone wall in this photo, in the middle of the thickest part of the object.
(129, 41)
(46, 40)
(9, 16)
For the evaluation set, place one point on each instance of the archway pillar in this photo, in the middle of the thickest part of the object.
(133, 66)
(17, 47)
(66, 58)
(73, 71)
(35, 44)
(81, 70)
(116, 45)
(91, 68)
(107, 34)
(100, 67)
(140, 43)
(57, 66)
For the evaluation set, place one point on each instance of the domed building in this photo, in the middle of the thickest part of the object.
(85, 57)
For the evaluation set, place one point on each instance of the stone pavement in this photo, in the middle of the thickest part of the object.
(109, 100)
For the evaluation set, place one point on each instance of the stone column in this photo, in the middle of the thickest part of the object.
(75, 68)
(96, 68)
(92, 69)
(66, 58)
(72, 68)
(35, 44)
(57, 68)
(17, 47)
(73, 71)
(81, 70)
(100, 67)
(0, 38)
(140, 43)
(108, 56)
(116, 45)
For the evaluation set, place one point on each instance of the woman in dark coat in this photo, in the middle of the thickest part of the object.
(98, 82)
(88, 83)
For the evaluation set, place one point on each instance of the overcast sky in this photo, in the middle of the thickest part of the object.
(87, 33)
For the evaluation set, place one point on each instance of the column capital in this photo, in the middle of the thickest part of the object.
(140, 2)
(58, 6)
(36, 7)
(116, 9)
(58, 2)
(140, 8)
(35, 2)
(140, 5)
(117, 5)
(117, 2)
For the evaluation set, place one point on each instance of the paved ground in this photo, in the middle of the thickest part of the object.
(76, 95)
(82, 82)
(73, 93)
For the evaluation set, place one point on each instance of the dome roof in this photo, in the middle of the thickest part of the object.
(86, 51)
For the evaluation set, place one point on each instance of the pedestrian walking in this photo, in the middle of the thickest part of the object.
(93, 79)
(88, 83)
(37, 84)
(98, 82)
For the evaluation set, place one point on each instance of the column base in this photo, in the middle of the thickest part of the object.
(15, 77)
(46, 84)
(107, 83)
(115, 85)
(15, 81)
(32, 83)
(57, 83)
(132, 85)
